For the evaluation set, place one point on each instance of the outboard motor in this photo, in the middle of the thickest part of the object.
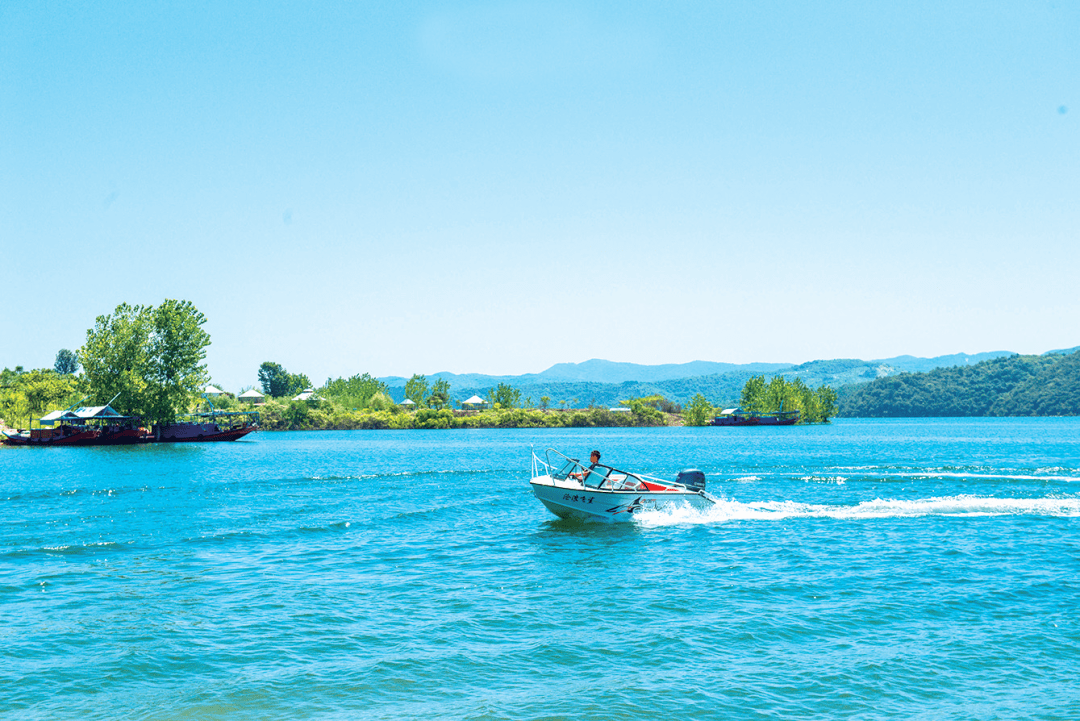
(692, 478)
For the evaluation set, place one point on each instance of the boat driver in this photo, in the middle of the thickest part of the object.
(594, 458)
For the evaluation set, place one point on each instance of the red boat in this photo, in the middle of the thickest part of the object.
(86, 426)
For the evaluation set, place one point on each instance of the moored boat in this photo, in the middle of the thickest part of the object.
(570, 489)
(739, 417)
(213, 425)
(83, 426)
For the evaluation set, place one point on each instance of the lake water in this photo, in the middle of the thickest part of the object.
(874, 569)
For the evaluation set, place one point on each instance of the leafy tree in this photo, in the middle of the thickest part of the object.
(177, 350)
(298, 384)
(116, 358)
(753, 395)
(642, 408)
(416, 390)
(826, 399)
(275, 380)
(697, 411)
(33, 393)
(545, 401)
(505, 395)
(150, 358)
(440, 394)
(66, 362)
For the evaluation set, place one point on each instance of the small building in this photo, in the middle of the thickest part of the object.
(475, 403)
(619, 410)
(308, 394)
(408, 403)
(252, 396)
(212, 392)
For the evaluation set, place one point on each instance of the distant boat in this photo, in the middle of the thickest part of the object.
(103, 426)
(739, 417)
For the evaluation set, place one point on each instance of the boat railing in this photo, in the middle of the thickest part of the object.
(610, 478)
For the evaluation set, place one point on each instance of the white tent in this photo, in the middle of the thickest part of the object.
(252, 396)
(408, 402)
(474, 402)
(212, 391)
(308, 394)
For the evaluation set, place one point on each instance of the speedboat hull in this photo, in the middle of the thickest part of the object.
(570, 500)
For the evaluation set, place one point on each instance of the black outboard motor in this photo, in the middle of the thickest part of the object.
(692, 478)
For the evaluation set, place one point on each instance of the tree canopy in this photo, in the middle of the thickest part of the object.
(30, 394)
(150, 359)
(697, 411)
(416, 390)
(505, 395)
(66, 362)
(277, 382)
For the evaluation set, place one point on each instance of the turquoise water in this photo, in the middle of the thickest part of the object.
(870, 569)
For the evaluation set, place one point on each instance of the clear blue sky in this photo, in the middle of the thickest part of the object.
(499, 186)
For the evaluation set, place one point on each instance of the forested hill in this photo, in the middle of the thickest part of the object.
(1020, 385)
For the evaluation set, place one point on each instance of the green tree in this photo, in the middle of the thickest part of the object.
(826, 398)
(545, 401)
(115, 358)
(66, 362)
(416, 390)
(176, 371)
(753, 395)
(505, 395)
(298, 383)
(697, 411)
(34, 393)
(150, 359)
(274, 379)
(440, 394)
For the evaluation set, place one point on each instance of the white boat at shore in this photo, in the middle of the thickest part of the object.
(571, 489)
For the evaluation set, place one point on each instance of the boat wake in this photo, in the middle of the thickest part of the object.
(727, 510)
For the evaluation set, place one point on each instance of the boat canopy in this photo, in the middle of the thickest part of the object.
(80, 414)
(52, 417)
(97, 412)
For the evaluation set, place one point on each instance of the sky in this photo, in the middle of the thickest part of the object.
(496, 187)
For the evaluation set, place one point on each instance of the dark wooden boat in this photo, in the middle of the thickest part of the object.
(210, 426)
(738, 417)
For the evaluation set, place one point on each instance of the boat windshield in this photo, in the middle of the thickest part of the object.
(598, 476)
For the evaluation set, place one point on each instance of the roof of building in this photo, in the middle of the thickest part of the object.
(251, 394)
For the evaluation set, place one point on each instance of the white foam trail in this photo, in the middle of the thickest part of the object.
(987, 476)
(729, 510)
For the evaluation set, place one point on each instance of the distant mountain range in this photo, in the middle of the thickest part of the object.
(605, 383)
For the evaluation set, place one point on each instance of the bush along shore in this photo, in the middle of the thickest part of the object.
(277, 415)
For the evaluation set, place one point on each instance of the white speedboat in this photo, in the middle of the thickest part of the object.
(572, 489)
